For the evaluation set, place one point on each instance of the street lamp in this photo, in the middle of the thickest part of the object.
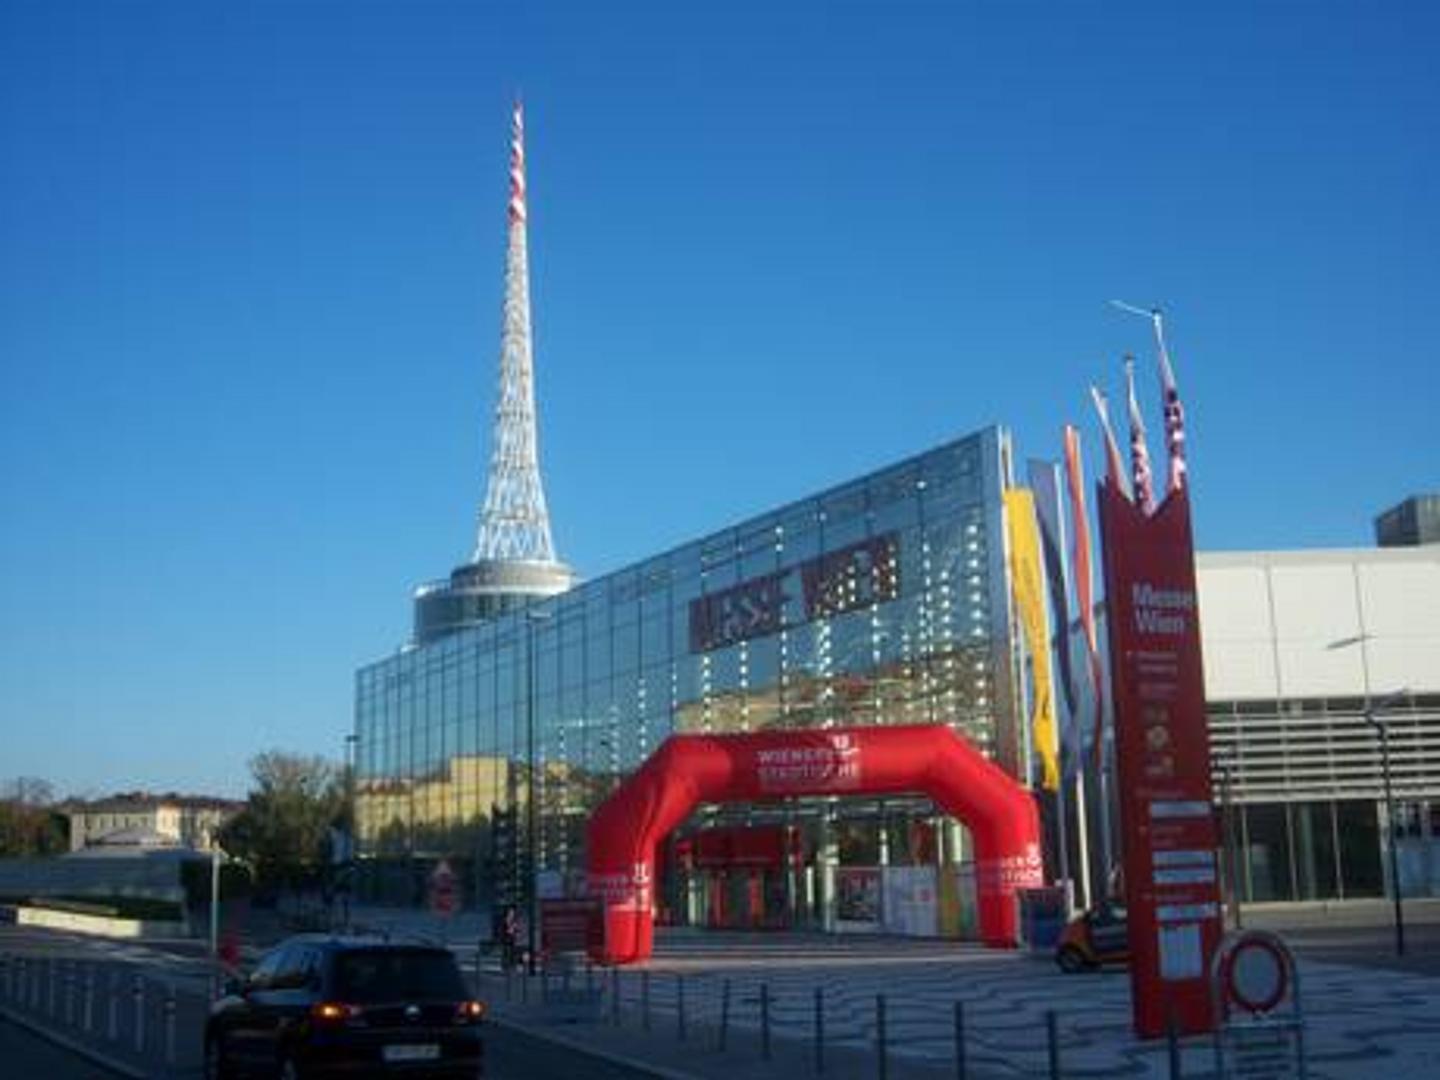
(352, 762)
(531, 893)
(1383, 729)
(1227, 813)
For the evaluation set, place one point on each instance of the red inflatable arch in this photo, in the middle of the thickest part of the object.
(691, 769)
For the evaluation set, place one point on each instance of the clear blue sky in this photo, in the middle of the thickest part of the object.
(250, 273)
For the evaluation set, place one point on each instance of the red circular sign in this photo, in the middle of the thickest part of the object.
(1257, 974)
(442, 890)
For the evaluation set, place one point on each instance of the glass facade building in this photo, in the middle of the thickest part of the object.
(880, 601)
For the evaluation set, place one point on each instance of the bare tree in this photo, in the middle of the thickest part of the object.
(28, 791)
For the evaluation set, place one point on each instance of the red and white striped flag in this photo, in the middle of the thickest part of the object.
(1139, 452)
(1174, 411)
(1114, 464)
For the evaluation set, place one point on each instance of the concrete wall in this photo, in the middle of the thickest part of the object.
(1320, 624)
(101, 925)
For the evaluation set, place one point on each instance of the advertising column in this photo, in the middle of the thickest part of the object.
(1163, 759)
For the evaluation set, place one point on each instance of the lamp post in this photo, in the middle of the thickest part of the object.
(214, 916)
(352, 761)
(532, 906)
(1383, 729)
(1227, 813)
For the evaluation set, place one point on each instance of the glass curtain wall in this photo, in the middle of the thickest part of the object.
(882, 601)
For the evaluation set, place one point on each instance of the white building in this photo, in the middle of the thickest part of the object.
(1298, 645)
(149, 821)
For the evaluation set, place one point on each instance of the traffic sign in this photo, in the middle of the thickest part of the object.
(1256, 994)
(442, 889)
(1257, 973)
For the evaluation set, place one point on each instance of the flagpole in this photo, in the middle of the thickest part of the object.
(1062, 641)
(1082, 833)
(1102, 760)
(1062, 838)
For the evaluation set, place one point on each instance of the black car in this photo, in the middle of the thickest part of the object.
(318, 1006)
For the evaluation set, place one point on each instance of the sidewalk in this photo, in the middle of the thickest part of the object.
(1361, 1022)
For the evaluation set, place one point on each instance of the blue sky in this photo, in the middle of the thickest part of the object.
(250, 273)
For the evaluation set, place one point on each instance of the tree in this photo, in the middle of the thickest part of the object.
(284, 830)
(29, 825)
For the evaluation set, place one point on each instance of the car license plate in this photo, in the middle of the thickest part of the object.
(411, 1052)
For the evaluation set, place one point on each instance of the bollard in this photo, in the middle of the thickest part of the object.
(645, 1000)
(724, 1013)
(137, 995)
(170, 1027)
(881, 1051)
(680, 1006)
(819, 1029)
(52, 997)
(959, 1040)
(1172, 1040)
(765, 1021)
(615, 996)
(89, 1016)
(35, 987)
(1053, 1035)
(112, 1021)
(69, 993)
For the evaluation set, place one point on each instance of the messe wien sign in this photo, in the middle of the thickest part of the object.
(844, 580)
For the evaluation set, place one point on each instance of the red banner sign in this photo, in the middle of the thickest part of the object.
(1162, 754)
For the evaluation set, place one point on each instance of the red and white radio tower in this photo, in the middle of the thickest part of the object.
(514, 560)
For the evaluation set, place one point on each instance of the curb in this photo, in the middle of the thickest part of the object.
(640, 1068)
(66, 1043)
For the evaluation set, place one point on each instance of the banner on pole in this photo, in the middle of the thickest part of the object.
(1028, 580)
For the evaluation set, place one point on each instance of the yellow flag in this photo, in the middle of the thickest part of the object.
(1027, 575)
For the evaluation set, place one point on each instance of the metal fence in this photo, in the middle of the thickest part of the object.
(115, 1011)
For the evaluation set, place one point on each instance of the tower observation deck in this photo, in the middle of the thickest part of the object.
(514, 561)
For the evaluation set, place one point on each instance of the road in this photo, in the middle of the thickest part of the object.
(27, 1055)
(512, 1056)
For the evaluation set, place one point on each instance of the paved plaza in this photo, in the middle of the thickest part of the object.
(1361, 1022)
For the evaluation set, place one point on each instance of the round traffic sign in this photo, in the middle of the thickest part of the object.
(442, 889)
(1257, 973)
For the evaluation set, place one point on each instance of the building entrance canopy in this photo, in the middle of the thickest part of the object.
(691, 769)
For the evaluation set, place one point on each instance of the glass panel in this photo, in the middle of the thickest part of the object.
(1315, 850)
(1268, 853)
(1359, 828)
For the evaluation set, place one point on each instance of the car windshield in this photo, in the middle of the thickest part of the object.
(374, 975)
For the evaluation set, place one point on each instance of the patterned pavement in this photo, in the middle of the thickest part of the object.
(1361, 1022)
